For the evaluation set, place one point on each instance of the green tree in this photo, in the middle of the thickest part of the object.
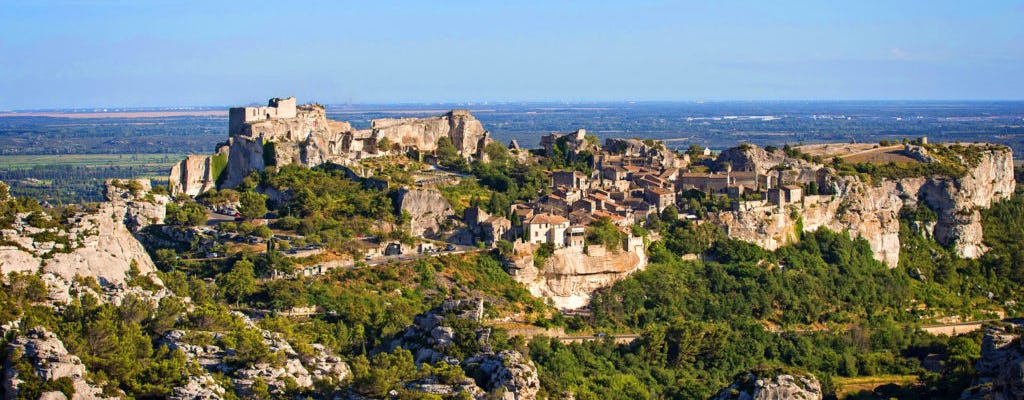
(253, 205)
(240, 282)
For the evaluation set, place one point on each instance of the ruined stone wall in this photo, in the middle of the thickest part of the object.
(283, 133)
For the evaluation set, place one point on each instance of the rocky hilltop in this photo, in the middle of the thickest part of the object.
(869, 208)
(91, 243)
(284, 133)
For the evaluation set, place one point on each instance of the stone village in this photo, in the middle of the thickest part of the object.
(765, 194)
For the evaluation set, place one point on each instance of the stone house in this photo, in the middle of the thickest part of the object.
(546, 228)
(659, 197)
(569, 179)
(708, 183)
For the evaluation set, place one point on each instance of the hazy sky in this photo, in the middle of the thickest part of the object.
(168, 53)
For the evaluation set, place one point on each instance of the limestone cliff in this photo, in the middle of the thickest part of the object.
(569, 277)
(305, 136)
(93, 243)
(98, 245)
(466, 133)
(197, 174)
(871, 209)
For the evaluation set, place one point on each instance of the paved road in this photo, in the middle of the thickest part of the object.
(379, 260)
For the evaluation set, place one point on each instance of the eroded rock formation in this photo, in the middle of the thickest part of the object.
(428, 209)
(1000, 368)
(871, 210)
(97, 245)
(42, 355)
(570, 275)
(767, 386)
(142, 207)
(302, 370)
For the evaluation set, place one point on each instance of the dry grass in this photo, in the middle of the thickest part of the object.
(859, 152)
(848, 386)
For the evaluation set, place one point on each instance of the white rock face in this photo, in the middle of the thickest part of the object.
(872, 211)
(428, 209)
(780, 387)
(107, 249)
(570, 276)
(193, 175)
(142, 208)
(50, 361)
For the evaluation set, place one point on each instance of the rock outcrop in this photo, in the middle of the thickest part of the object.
(43, 356)
(96, 245)
(304, 371)
(431, 337)
(142, 207)
(509, 371)
(768, 386)
(1000, 368)
(197, 173)
(283, 134)
(870, 210)
(428, 209)
(570, 275)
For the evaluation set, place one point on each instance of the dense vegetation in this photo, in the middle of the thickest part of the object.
(824, 306)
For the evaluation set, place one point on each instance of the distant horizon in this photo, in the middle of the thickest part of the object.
(483, 103)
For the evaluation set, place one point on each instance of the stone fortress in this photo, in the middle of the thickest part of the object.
(284, 132)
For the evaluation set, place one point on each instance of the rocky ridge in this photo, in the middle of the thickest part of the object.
(94, 244)
(870, 210)
(303, 371)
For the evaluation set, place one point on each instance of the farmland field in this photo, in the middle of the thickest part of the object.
(19, 162)
(79, 177)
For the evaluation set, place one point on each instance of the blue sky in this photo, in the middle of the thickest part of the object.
(169, 53)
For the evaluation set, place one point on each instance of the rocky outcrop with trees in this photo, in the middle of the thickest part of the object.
(869, 205)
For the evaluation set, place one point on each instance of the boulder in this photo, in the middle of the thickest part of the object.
(428, 209)
(508, 370)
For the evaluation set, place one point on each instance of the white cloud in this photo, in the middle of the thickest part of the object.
(899, 53)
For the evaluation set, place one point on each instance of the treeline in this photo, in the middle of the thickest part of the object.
(66, 184)
(45, 135)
